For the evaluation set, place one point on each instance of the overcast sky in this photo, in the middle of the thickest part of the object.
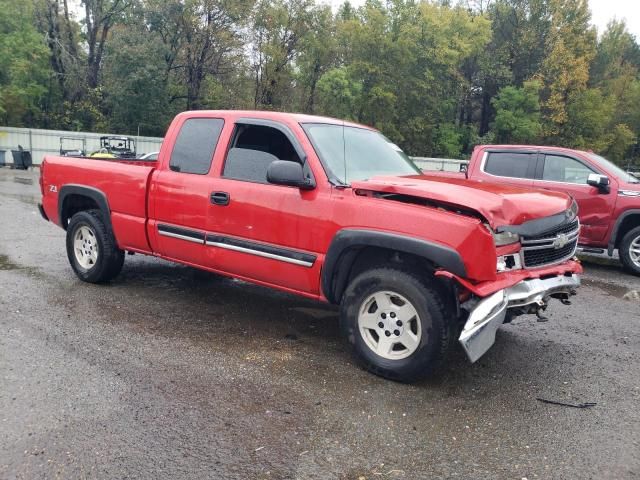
(604, 10)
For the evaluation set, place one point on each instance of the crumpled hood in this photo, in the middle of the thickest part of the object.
(500, 205)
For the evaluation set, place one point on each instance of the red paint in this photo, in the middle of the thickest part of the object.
(143, 194)
(499, 204)
(509, 279)
(598, 211)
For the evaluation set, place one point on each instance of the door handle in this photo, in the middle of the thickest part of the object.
(220, 198)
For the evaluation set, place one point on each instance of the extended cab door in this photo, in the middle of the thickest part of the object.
(180, 191)
(564, 173)
(268, 233)
(511, 167)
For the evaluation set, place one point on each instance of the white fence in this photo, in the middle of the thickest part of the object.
(47, 142)
(440, 164)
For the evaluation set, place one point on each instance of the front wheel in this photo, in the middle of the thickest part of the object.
(91, 248)
(630, 251)
(397, 324)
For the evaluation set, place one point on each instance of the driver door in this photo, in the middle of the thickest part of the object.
(569, 175)
(267, 233)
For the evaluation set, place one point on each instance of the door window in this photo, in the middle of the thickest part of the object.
(511, 164)
(253, 149)
(195, 144)
(564, 169)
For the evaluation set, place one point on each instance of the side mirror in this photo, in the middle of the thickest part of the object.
(283, 172)
(601, 182)
(463, 168)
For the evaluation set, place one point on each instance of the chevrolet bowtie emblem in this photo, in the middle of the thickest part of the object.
(560, 241)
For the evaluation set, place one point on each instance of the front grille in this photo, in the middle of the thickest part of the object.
(552, 247)
(567, 228)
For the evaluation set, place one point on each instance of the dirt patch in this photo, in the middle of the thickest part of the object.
(23, 180)
(614, 290)
(6, 264)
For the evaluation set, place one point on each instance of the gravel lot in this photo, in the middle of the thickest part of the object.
(169, 372)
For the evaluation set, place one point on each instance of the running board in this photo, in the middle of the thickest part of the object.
(590, 250)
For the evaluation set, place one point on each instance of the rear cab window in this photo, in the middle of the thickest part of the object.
(511, 164)
(195, 144)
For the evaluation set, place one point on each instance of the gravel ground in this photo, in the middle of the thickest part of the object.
(169, 372)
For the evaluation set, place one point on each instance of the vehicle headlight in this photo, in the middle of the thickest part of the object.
(505, 263)
(505, 238)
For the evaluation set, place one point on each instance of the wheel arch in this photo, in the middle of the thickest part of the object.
(76, 198)
(626, 222)
(351, 249)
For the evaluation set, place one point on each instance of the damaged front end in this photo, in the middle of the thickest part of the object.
(538, 266)
(528, 296)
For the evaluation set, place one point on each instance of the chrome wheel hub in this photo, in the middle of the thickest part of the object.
(389, 325)
(85, 247)
(634, 251)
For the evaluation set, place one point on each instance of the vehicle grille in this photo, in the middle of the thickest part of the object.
(551, 247)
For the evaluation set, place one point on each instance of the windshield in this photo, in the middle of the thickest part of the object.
(352, 153)
(611, 167)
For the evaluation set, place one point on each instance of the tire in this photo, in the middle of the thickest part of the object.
(91, 248)
(630, 251)
(423, 353)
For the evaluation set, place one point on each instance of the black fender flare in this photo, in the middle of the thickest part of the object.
(616, 229)
(347, 243)
(93, 193)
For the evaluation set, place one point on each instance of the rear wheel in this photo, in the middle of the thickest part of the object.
(397, 323)
(91, 248)
(630, 251)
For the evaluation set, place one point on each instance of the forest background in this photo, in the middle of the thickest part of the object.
(437, 77)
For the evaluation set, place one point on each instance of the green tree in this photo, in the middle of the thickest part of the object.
(617, 55)
(622, 138)
(135, 88)
(279, 27)
(407, 60)
(436, 77)
(61, 33)
(318, 54)
(447, 141)
(589, 114)
(518, 113)
(24, 68)
(565, 70)
(339, 93)
(99, 17)
(518, 46)
(615, 71)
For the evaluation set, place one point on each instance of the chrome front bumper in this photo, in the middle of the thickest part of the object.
(479, 332)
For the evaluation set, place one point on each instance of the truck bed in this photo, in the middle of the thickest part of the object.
(128, 161)
(124, 183)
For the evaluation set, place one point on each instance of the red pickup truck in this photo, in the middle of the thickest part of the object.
(608, 197)
(332, 211)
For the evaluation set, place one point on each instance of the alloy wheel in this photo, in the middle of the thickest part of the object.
(85, 247)
(390, 325)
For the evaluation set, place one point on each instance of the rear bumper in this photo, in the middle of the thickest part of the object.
(42, 212)
(479, 332)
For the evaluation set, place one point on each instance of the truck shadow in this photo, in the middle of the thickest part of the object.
(287, 334)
